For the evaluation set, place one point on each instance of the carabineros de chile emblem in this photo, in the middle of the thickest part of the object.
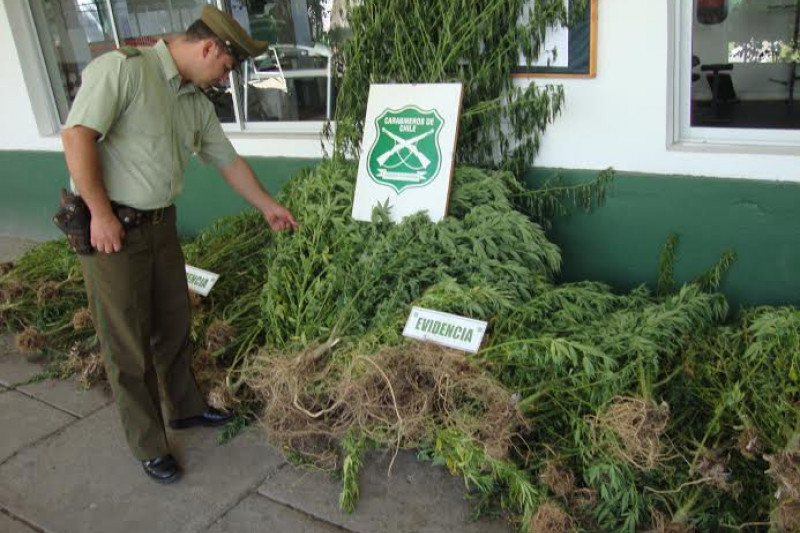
(406, 151)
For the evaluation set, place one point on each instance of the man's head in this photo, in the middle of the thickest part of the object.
(220, 44)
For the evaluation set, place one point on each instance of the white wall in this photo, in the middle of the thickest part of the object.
(618, 119)
(20, 131)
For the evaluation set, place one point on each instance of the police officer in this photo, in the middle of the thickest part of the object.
(137, 118)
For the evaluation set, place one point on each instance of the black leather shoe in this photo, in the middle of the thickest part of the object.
(211, 418)
(163, 469)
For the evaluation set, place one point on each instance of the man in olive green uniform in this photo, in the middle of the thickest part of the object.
(138, 117)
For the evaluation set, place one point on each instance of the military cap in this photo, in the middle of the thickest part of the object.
(232, 34)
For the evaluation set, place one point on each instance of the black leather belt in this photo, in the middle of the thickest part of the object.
(132, 217)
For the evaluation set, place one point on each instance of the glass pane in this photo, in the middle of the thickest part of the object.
(145, 22)
(71, 33)
(745, 64)
(291, 81)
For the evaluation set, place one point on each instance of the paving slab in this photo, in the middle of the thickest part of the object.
(68, 395)
(417, 498)
(256, 514)
(24, 421)
(84, 480)
(15, 368)
(9, 525)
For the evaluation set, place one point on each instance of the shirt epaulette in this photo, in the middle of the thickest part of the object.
(129, 51)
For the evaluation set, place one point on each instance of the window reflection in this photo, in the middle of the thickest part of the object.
(745, 64)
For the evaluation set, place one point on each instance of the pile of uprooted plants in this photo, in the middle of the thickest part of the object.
(584, 410)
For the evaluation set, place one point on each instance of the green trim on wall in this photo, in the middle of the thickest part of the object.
(620, 242)
(31, 181)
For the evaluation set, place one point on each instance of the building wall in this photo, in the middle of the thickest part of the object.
(714, 200)
(31, 182)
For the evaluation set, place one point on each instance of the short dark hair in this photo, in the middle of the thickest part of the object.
(199, 31)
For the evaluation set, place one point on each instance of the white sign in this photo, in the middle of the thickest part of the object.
(408, 148)
(200, 281)
(443, 328)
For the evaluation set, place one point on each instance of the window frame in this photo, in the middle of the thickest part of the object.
(681, 135)
(43, 100)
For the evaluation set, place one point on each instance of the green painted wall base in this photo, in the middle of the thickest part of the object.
(31, 181)
(618, 243)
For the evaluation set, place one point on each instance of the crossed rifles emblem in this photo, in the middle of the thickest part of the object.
(409, 144)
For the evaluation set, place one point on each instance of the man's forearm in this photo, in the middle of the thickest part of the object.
(83, 162)
(240, 176)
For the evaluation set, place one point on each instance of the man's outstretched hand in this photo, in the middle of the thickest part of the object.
(278, 217)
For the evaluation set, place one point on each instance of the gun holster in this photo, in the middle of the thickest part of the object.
(73, 218)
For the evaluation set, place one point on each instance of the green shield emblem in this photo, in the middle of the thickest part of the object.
(406, 151)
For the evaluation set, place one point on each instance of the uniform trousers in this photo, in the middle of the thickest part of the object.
(140, 307)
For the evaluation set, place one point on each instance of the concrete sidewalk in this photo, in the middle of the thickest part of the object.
(64, 467)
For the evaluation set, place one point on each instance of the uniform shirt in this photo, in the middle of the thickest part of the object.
(149, 125)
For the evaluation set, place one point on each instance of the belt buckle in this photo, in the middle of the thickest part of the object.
(158, 215)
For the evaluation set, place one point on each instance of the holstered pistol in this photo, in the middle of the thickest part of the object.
(74, 219)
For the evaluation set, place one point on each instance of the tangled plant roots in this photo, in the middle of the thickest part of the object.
(559, 480)
(94, 370)
(220, 397)
(583, 500)
(301, 415)
(219, 335)
(210, 378)
(195, 300)
(660, 525)
(637, 426)
(786, 517)
(784, 469)
(82, 319)
(713, 470)
(396, 397)
(551, 518)
(748, 444)
(30, 340)
(11, 291)
(419, 386)
(90, 367)
(47, 292)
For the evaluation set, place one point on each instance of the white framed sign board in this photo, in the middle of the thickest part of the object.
(199, 280)
(408, 149)
(445, 329)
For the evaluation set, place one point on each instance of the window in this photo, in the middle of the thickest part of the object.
(735, 72)
(292, 82)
